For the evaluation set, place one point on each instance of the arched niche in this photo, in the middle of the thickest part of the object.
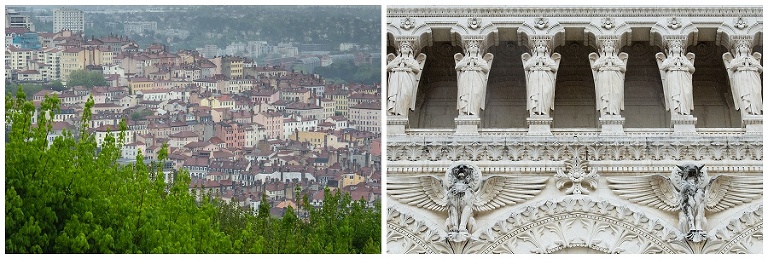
(436, 96)
(712, 101)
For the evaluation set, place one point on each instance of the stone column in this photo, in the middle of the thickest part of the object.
(472, 69)
(541, 74)
(403, 74)
(676, 68)
(744, 71)
(608, 70)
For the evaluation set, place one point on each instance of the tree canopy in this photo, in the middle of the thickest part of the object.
(70, 196)
(86, 78)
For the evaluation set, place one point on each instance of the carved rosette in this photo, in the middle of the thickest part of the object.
(474, 23)
(607, 23)
(740, 23)
(576, 173)
(674, 23)
(407, 23)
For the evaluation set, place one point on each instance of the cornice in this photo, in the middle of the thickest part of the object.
(575, 11)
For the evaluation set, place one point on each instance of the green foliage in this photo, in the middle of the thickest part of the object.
(86, 78)
(140, 115)
(345, 71)
(68, 196)
(29, 89)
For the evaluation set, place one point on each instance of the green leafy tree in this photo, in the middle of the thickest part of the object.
(86, 78)
(69, 195)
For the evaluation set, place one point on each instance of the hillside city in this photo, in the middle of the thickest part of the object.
(254, 118)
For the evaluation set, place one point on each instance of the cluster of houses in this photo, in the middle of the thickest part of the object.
(240, 130)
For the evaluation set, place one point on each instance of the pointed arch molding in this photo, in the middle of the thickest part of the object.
(572, 221)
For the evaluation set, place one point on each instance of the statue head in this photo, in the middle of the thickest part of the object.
(540, 47)
(690, 171)
(676, 47)
(406, 49)
(742, 48)
(608, 47)
(473, 47)
(461, 172)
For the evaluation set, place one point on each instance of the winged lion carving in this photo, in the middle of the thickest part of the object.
(691, 192)
(461, 193)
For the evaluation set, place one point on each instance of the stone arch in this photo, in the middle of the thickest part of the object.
(560, 223)
(738, 235)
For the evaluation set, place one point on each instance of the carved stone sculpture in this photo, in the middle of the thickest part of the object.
(746, 85)
(472, 72)
(676, 78)
(404, 73)
(576, 173)
(463, 192)
(608, 70)
(690, 191)
(540, 76)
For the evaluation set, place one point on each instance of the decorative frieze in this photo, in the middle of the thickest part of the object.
(557, 148)
(574, 11)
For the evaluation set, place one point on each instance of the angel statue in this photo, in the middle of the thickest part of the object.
(463, 192)
(676, 78)
(691, 192)
(404, 73)
(608, 72)
(540, 75)
(746, 85)
(472, 72)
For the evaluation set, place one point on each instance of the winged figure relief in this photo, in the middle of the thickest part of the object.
(689, 191)
(461, 193)
(404, 73)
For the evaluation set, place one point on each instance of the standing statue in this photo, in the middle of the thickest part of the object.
(404, 73)
(689, 191)
(677, 78)
(472, 72)
(746, 85)
(540, 77)
(463, 192)
(608, 72)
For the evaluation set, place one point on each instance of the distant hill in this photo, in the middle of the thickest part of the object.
(222, 25)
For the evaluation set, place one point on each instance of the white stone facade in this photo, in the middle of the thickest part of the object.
(603, 172)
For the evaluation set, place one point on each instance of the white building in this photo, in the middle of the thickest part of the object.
(573, 179)
(68, 18)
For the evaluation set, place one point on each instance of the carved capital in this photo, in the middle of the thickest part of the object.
(674, 28)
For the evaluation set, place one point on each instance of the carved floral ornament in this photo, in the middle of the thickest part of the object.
(474, 22)
(407, 23)
(541, 23)
(674, 23)
(577, 172)
(740, 23)
(608, 23)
